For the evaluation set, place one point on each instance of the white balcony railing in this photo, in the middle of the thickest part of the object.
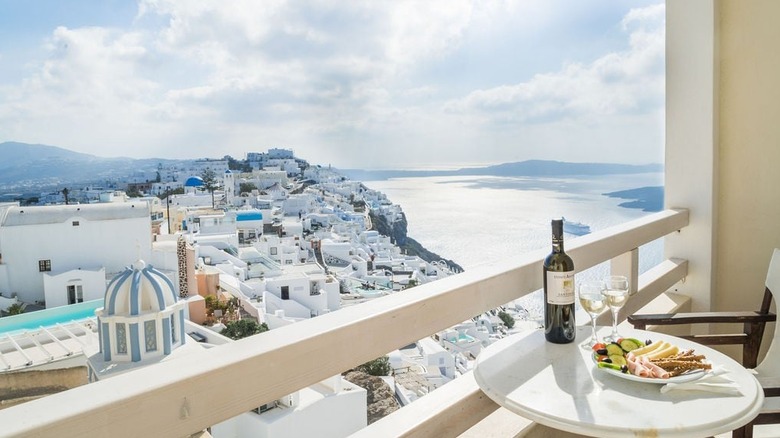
(184, 396)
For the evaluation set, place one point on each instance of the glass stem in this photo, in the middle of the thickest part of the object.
(593, 338)
(614, 324)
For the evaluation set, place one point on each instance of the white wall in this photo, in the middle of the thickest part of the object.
(93, 284)
(291, 308)
(749, 148)
(5, 285)
(332, 416)
(722, 149)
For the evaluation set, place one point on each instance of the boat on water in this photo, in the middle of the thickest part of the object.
(575, 228)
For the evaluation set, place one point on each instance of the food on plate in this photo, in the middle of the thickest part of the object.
(614, 348)
(683, 362)
(648, 348)
(613, 366)
(662, 352)
(660, 360)
(630, 344)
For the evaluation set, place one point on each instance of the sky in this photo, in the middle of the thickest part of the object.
(376, 84)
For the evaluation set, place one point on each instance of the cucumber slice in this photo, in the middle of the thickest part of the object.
(613, 349)
(618, 359)
(629, 344)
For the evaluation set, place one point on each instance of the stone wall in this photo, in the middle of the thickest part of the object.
(21, 386)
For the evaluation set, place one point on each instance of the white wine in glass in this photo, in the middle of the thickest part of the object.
(594, 302)
(616, 294)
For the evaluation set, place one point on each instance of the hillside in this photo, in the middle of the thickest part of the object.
(23, 162)
(19, 154)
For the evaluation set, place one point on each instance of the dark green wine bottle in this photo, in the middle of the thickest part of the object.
(559, 325)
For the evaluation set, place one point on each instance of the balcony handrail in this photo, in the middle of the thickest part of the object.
(181, 396)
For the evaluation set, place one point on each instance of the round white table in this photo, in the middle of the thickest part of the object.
(558, 385)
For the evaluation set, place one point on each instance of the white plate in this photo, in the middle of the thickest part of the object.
(687, 377)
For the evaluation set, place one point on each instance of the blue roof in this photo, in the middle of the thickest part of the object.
(139, 289)
(249, 216)
(194, 181)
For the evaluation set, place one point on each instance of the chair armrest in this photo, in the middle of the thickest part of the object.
(699, 318)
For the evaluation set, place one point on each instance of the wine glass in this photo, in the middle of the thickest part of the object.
(616, 293)
(594, 302)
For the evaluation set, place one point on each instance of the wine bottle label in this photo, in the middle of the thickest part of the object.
(560, 287)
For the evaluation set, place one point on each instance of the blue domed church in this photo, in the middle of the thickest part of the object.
(142, 320)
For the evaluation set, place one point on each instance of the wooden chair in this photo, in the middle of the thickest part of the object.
(753, 323)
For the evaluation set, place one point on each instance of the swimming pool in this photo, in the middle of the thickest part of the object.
(49, 317)
(462, 337)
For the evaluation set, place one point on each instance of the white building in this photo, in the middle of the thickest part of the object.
(288, 165)
(439, 362)
(217, 166)
(299, 204)
(332, 408)
(161, 188)
(262, 179)
(302, 292)
(321, 175)
(279, 153)
(229, 186)
(61, 254)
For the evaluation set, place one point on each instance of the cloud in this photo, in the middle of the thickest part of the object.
(363, 82)
(627, 81)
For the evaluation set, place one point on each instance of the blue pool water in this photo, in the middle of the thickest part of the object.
(464, 337)
(49, 317)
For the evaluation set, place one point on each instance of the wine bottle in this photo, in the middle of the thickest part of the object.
(559, 325)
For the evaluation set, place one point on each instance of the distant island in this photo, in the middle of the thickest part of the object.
(649, 199)
(522, 168)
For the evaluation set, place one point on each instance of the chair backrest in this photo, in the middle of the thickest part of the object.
(770, 365)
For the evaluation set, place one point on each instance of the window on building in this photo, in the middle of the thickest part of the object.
(75, 294)
(273, 250)
(285, 292)
(121, 338)
(75, 223)
(44, 265)
(150, 335)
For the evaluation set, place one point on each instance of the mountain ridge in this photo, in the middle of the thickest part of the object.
(39, 162)
(24, 162)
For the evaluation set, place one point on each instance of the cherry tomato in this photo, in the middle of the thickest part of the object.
(599, 346)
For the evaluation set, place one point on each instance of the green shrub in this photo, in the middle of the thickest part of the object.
(377, 367)
(507, 319)
(243, 328)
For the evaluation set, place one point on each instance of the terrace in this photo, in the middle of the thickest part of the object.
(718, 229)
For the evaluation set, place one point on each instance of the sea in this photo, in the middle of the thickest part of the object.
(477, 220)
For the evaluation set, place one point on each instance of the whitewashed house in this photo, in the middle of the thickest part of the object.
(439, 363)
(61, 254)
(302, 292)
